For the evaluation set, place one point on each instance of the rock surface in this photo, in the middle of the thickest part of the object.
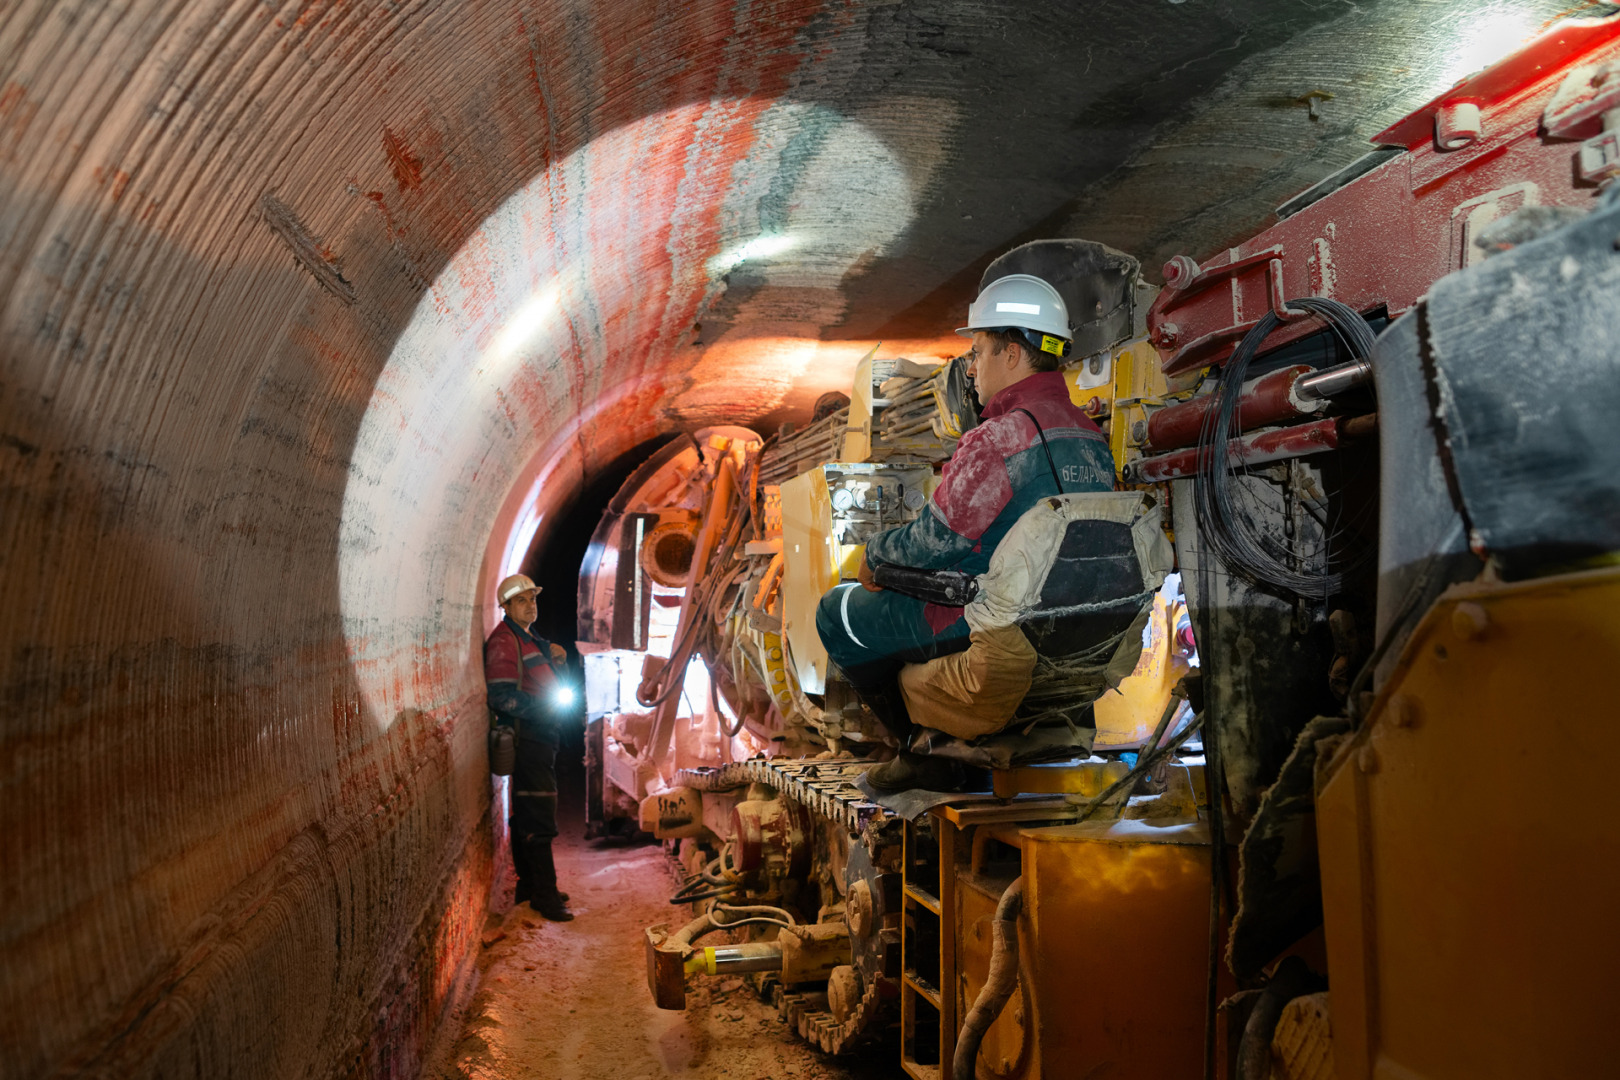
(569, 1001)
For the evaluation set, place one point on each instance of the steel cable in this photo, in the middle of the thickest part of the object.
(1230, 528)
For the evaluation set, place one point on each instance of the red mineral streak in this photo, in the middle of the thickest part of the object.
(249, 531)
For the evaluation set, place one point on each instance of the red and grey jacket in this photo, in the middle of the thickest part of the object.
(999, 471)
(520, 679)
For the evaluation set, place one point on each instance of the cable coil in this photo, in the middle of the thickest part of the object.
(1230, 528)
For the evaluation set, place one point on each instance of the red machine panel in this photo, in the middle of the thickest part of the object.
(1537, 129)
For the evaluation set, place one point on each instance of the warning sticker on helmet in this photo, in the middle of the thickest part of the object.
(1050, 344)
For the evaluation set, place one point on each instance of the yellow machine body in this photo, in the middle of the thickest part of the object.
(1113, 941)
(1110, 901)
(1127, 714)
(811, 562)
(1470, 859)
(1137, 386)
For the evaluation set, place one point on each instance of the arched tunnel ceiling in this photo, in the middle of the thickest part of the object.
(311, 308)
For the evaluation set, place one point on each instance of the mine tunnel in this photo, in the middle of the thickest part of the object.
(324, 318)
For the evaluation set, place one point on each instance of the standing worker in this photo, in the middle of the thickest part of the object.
(525, 694)
(1031, 443)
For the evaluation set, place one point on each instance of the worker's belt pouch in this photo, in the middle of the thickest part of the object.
(502, 749)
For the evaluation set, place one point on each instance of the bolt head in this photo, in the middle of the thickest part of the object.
(1180, 270)
(1405, 711)
(1469, 621)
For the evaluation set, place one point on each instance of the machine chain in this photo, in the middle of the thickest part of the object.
(825, 787)
(817, 1026)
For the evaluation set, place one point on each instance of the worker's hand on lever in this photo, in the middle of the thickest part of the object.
(864, 576)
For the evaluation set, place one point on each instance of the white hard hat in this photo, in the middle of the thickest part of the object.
(1026, 302)
(512, 586)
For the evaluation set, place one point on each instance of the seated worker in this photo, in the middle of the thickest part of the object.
(520, 676)
(1031, 442)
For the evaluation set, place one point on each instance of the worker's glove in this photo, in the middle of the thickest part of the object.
(866, 577)
(558, 653)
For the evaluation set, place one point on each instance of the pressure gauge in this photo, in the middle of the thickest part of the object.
(843, 499)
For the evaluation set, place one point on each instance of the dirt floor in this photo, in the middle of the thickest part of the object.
(569, 1001)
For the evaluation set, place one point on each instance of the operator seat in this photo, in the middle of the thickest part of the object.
(1057, 622)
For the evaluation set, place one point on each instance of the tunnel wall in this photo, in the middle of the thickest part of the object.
(315, 313)
(247, 543)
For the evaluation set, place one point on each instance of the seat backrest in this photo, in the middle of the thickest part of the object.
(1077, 573)
(1093, 590)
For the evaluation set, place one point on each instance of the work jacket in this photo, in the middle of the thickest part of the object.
(521, 680)
(999, 470)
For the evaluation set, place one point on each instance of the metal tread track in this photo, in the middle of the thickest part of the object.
(807, 1015)
(825, 787)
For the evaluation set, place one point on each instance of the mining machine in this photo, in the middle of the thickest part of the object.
(1324, 798)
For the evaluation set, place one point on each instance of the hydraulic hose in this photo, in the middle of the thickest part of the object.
(727, 730)
(1291, 980)
(692, 615)
(998, 985)
(1145, 762)
(1225, 521)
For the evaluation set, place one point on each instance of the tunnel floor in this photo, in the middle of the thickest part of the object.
(569, 1001)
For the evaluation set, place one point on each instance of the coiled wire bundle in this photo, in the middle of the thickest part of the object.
(1227, 524)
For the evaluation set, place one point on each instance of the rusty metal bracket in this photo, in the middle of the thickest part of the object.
(1185, 279)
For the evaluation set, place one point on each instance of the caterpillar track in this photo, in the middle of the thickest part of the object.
(825, 787)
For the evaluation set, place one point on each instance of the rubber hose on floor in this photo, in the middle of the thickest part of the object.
(998, 986)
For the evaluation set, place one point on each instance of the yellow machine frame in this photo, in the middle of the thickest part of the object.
(1468, 845)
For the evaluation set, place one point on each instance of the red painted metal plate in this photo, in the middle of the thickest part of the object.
(1380, 241)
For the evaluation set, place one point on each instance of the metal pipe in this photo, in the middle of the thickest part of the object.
(1271, 399)
(921, 407)
(1333, 381)
(1266, 401)
(911, 393)
(736, 959)
(1257, 448)
(998, 984)
(916, 428)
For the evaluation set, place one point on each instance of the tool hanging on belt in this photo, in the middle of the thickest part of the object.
(948, 588)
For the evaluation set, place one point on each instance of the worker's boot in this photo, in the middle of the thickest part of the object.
(525, 889)
(545, 898)
(914, 772)
(524, 862)
(879, 689)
